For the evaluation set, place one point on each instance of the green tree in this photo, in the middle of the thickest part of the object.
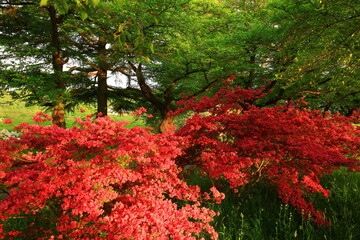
(302, 47)
(33, 55)
(162, 48)
(117, 37)
(165, 48)
(317, 52)
(189, 56)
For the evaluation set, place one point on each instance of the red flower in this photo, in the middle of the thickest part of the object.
(140, 111)
(8, 121)
(286, 145)
(41, 117)
(103, 179)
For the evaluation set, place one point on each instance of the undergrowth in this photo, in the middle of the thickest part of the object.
(257, 213)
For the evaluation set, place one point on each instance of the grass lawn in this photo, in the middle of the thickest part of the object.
(18, 112)
(258, 214)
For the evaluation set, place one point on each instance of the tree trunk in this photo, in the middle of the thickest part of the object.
(252, 60)
(58, 114)
(166, 123)
(167, 119)
(102, 106)
(164, 107)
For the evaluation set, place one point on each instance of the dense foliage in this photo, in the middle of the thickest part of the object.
(288, 145)
(101, 180)
(60, 53)
(98, 181)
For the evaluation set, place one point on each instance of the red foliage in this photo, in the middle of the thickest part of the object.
(8, 121)
(287, 145)
(41, 117)
(101, 181)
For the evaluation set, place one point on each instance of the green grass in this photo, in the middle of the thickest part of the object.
(258, 214)
(18, 112)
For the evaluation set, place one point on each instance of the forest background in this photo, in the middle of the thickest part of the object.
(60, 54)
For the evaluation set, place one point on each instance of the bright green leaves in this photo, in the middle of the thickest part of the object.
(316, 49)
(43, 3)
(63, 6)
(83, 14)
(94, 3)
(151, 47)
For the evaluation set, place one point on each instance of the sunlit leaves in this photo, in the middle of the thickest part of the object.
(317, 41)
(63, 6)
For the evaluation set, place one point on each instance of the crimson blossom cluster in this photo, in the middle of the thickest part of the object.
(103, 181)
(288, 145)
(98, 181)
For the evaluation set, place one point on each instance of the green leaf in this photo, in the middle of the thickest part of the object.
(146, 59)
(156, 20)
(43, 3)
(78, 3)
(94, 3)
(122, 26)
(62, 7)
(83, 14)
(151, 47)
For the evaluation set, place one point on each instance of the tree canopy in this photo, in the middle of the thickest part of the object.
(60, 53)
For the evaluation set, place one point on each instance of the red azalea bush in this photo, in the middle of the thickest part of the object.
(287, 145)
(103, 181)
(98, 181)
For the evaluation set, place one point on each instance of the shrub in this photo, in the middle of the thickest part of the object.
(287, 145)
(98, 181)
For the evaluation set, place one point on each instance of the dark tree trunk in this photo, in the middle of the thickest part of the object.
(164, 107)
(167, 119)
(58, 114)
(102, 106)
